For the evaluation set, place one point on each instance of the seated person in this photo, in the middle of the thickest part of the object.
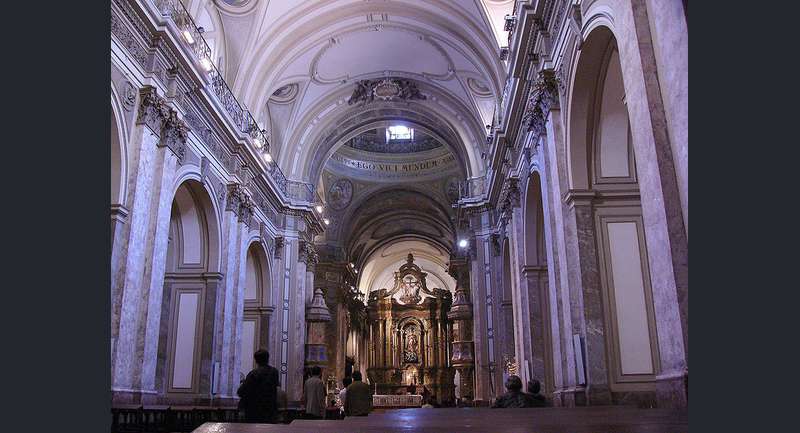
(514, 397)
(533, 390)
(358, 401)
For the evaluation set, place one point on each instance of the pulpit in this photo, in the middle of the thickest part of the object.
(409, 335)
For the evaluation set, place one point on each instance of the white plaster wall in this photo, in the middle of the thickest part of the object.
(185, 340)
(629, 298)
(612, 131)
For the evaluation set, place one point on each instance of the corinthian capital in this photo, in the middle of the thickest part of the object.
(308, 255)
(153, 110)
(174, 134)
(509, 195)
(234, 197)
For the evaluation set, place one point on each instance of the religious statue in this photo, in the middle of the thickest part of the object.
(411, 352)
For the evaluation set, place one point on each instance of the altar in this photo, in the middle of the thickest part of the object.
(396, 401)
(410, 336)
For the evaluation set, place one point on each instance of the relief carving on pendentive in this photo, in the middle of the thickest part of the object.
(387, 89)
(340, 194)
(128, 96)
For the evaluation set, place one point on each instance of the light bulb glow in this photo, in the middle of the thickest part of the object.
(326, 221)
(206, 64)
(267, 157)
(319, 208)
(188, 36)
(463, 243)
(257, 142)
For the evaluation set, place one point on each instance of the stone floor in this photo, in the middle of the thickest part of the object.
(608, 419)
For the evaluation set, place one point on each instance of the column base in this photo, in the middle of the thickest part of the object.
(672, 390)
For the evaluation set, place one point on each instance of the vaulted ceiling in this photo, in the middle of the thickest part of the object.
(295, 64)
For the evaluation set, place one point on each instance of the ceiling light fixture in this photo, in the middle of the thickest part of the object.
(188, 36)
(319, 208)
(267, 157)
(326, 221)
(206, 64)
(463, 243)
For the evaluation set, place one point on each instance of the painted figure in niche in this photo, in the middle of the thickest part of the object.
(412, 346)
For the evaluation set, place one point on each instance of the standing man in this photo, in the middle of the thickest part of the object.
(358, 401)
(258, 391)
(314, 394)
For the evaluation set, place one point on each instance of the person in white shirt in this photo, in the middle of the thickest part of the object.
(343, 393)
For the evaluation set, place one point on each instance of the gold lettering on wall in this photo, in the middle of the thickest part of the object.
(403, 167)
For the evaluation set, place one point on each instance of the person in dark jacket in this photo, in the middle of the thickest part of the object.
(533, 390)
(258, 391)
(514, 397)
(359, 397)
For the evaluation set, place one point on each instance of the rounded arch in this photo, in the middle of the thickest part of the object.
(534, 248)
(507, 289)
(585, 96)
(119, 166)
(189, 176)
(192, 200)
(258, 281)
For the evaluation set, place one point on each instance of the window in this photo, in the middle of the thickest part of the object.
(399, 132)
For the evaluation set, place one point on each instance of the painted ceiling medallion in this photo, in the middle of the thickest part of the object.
(388, 89)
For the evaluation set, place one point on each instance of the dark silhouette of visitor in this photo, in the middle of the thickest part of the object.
(537, 399)
(358, 401)
(258, 391)
(514, 397)
(314, 394)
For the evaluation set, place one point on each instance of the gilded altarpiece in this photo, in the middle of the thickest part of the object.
(410, 337)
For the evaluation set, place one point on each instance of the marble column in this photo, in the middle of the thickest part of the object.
(158, 144)
(484, 287)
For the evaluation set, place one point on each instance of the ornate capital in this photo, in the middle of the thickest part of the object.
(246, 210)
(542, 97)
(162, 121)
(277, 253)
(308, 255)
(495, 244)
(234, 197)
(153, 110)
(509, 195)
(174, 134)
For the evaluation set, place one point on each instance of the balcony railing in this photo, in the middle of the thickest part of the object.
(241, 117)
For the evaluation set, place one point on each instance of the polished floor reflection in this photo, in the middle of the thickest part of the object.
(605, 419)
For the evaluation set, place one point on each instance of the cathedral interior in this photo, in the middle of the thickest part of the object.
(438, 194)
